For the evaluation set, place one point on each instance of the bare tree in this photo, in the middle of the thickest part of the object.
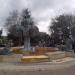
(21, 26)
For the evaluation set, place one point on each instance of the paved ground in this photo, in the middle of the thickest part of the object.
(65, 68)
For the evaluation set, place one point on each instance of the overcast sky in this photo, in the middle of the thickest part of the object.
(42, 10)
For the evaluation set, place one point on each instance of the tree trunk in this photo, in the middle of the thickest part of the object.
(27, 46)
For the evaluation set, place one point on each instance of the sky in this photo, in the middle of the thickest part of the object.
(41, 10)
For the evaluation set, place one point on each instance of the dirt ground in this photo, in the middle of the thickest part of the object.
(65, 68)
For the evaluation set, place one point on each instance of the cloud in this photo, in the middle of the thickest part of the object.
(42, 10)
(43, 26)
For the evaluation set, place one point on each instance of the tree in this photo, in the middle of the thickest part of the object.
(73, 31)
(41, 37)
(26, 24)
(44, 38)
(22, 28)
(12, 25)
(0, 32)
(61, 27)
(34, 35)
(15, 34)
(11, 20)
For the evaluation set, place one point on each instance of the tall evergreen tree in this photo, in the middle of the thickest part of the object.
(26, 24)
